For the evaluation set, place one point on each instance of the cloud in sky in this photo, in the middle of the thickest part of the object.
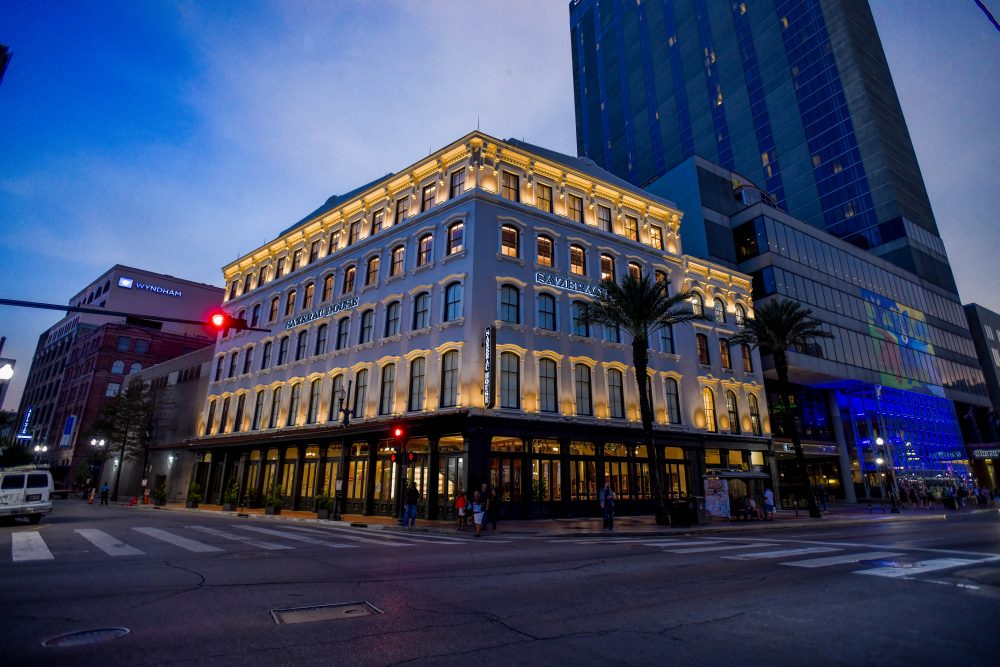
(177, 136)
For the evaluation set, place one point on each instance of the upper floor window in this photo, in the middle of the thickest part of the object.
(328, 287)
(510, 380)
(348, 284)
(427, 195)
(701, 340)
(720, 311)
(378, 220)
(607, 267)
(734, 414)
(456, 235)
(741, 314)
(232, 364)
(396, 265)
(660, 276)
(367, 325)
(612, 334)
(307, 296)
(577, 261)
(724, 357)
(635, 270)
(283, 350)
(247, 283)
(314, 251)
(248, 360)
(421, 310)
(546, 312)
(392, 319)
(548, 392)
(510, 186)
(616, 394)
(697, 305)
(296, 260)
(141, 346)
(361, 394)
(255, 315)
(293, 404)
(510, 304)
(747, 358)
(208, 420)
(656, 237)
(452, 301)
(604, 218)
(123, 343)
(118, 367)
(424, 249)
(457, 183)
(371, 273)
(272, 420)
(510, 241)
(580, 325)
(584, 398)
(262, 279)
(417, 370)
(754, 415)
(290, 303)
(322, 332)
(402, 209)
(343, 330)
(333, 244)
(667, 339)
(708, 399)
(265, 357)
(449, 379)
(280, 268)
(544, 251)
(543, 195)
(673, 402)
(387, 393)
(631, 228)
(575, 208)
(258, 411)
(300, 345)
(354, 233)
(312, 413)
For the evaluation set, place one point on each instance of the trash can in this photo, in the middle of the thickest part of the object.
(698, 515)
(680, 513)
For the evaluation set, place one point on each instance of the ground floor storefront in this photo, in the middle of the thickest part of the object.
(537, 468)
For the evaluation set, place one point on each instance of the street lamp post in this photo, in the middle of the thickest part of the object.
(894, 502)
(344, 409)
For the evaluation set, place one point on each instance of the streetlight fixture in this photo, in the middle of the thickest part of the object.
(894, 508)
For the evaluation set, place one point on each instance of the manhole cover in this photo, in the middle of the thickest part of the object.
(84, 637)
(324, 612)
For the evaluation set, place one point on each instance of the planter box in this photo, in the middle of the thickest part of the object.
(191, 504)
(272, 510)
(323, 514)
(228, 507)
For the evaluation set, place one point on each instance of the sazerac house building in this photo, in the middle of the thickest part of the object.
(443, 300)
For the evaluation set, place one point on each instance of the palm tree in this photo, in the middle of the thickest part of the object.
(777, 327)
(641, 306)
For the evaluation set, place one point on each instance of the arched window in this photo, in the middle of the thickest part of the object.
(616, 394)
(548, 392)
(702, 342)
(118, 367)
(135, 367)
(545, 251)
(272, 421)
(697, 305)
(546, 312)
(456, 238)
(635, 270)
(300, 345)
(210, 418)
(328, 287)
(398, 257)
(314, 389)
(293, 405)
(660, 276)
(255, 315)
(258, 411)
(219, 363)
(361, 394)
(452, 301)
(673, 402)
(371, 272)
(417, 368)
(449, 379)
(422, 310)
(510, 380)
(580, 325)
(338, 397)
(272, 311)
(248, 360)
(734, 413)
(608, 267)
(577, 261)
(754, 415)
(348, 285)
(322, 332)
(581, 378)
(265, 357)
(307, 296)
(510, 241)
(425, 250)
(392, 319)
(290, 303)
(720, 311)
(283, 350)
(741, 314)
(724, 357)
(224, 417)
(232, 364)
(510, 304)
(708, 398)
(343, 329)
(241, 402)
(747, 358)
(387, 393)
(367, 325)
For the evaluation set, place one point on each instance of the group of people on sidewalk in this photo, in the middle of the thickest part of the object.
(483, 507)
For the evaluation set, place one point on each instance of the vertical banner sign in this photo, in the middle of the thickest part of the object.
(489, 355)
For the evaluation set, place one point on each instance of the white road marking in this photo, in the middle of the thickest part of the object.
(718, 547)
(647, 541)
(295, 538)
(782, 553)
(270, 546)
(29, 546)
(107, 543)
(177, 540)
(347, 536)
(863, 545)
(922, 567)
(842, 560)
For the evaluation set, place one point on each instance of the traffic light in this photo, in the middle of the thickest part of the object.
(392, 457)
(409, 457)
(398, 433)
(221, 322)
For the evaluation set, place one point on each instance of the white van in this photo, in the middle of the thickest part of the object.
(25, 491)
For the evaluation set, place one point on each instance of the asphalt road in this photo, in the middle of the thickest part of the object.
(200, 588)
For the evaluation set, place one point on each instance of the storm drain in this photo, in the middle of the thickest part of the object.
(84, 637)
(324, 612)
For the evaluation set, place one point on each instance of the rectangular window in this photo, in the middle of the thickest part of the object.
(457, 183)
(355, 232)
(314, 252)
(296, 260)
(631, 228)
(378, 220)
(511, 186)
(724, 354)
(667, 340)
(402, 209)
(112, 389)
(424, 250)
(575, 211)
(604, 218)
(544, 197)
(577, 263)
(656, 237)
(427, 196)
(280, 268)
(544, 251)
(123, 343)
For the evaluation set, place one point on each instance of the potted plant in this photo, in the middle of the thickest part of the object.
(231, 496)
(251, 499)
(194, 495)
(273, 501)
(324, 505)
(160, 495)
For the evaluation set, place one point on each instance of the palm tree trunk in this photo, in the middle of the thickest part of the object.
(791, 428)
(640, 362)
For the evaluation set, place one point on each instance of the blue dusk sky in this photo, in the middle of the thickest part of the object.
(176, 136)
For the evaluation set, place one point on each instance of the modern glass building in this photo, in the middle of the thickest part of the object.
(794, 94)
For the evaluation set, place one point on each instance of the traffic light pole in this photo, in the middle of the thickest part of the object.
(116, 313)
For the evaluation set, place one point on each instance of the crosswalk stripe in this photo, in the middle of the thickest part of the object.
(107, 543)
(647, 541)
(270, 546)
(29, 546)
(177, 540)
(354, 538)
(717, 547)
(294, 537)
(922, 567)
(841, 560)
(782, 553)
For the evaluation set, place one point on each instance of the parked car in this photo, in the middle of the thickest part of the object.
(26, 491)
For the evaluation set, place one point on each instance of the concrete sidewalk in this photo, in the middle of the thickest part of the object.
(838, 515)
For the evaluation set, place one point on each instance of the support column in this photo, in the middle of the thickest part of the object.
(845, 458)
(433, 464)
(370, 475)
(564, 475)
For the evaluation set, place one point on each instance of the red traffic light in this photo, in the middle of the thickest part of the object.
(397, 432)
(410, 457)
(221, 321)
(393, 457)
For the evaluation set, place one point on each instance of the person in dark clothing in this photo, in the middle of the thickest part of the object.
(104, 493)
(607, 499)
(412, 498)
(491, 507)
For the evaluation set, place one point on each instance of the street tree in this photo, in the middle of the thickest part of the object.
(778, 326)
(641, 306)
(126, 423)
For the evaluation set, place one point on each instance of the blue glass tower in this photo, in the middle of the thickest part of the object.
(794, 94)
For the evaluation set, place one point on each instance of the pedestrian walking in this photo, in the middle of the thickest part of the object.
(478, 513)
(412, 498)
(822, 497)
(607, 499)
(768, 504)
(460, 504)
(490, 508)
(104, 493)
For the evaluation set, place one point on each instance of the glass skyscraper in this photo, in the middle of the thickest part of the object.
(795, 95)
